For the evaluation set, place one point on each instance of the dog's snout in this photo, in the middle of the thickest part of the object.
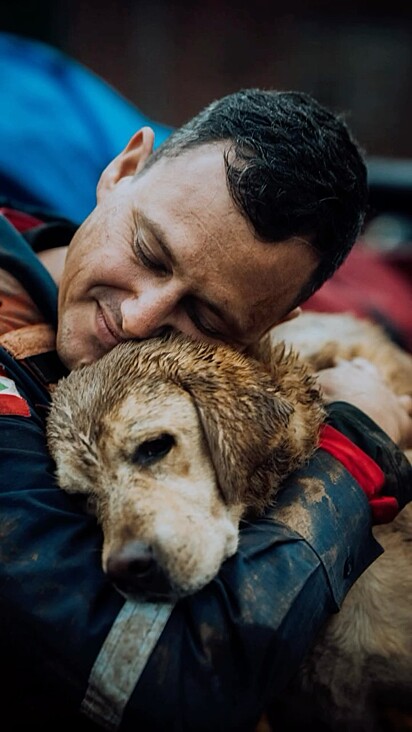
(131, 561)
(133, 568)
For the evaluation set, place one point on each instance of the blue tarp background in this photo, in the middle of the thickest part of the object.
(60, 125)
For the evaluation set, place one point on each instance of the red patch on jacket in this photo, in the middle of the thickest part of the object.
(365, 471)
(11, 402)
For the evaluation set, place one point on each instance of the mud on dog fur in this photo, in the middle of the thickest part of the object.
(173, 442)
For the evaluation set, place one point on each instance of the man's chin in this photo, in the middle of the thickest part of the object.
(74, 354)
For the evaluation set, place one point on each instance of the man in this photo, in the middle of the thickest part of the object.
(219, 234)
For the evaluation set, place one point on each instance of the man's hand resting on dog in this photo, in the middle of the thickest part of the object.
(359, 382)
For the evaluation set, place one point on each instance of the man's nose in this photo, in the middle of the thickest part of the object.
(149, 314)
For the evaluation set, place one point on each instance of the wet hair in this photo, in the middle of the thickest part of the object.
(293, 169)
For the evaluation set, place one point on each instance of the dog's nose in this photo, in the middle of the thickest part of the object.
(131, 561)
(133, 568)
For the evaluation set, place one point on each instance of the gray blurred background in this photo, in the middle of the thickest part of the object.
(171, 58)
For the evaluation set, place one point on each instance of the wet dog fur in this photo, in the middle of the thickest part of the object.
(173, 442)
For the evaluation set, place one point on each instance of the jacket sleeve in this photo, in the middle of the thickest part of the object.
(366, 435)
(222, 651)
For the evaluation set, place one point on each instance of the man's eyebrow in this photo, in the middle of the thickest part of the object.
(156, 230)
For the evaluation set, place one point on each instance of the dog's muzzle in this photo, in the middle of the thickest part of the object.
(134, 570)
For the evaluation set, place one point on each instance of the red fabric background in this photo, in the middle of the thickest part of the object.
(374, 285)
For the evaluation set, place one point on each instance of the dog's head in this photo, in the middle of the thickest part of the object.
(172, 441)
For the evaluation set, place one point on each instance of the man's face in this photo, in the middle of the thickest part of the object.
(167, 248)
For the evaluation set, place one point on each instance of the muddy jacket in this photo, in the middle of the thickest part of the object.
(72, 650)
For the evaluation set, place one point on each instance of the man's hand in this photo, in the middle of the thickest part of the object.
(359, 382)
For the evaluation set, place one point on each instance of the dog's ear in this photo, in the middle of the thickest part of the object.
(244, 419)
(244, 429)
(72, 429)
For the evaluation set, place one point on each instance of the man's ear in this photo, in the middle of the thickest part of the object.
(129, 162)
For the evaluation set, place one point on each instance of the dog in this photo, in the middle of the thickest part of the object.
(173, 442)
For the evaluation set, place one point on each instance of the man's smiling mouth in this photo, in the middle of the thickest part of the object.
(106, 332)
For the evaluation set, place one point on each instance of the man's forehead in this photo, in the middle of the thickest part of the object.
(190, 191)
(199, 154)
(199, 169)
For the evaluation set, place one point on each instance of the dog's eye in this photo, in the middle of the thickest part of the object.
(151, 450)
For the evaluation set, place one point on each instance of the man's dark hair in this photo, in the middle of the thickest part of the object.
(292, 167)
